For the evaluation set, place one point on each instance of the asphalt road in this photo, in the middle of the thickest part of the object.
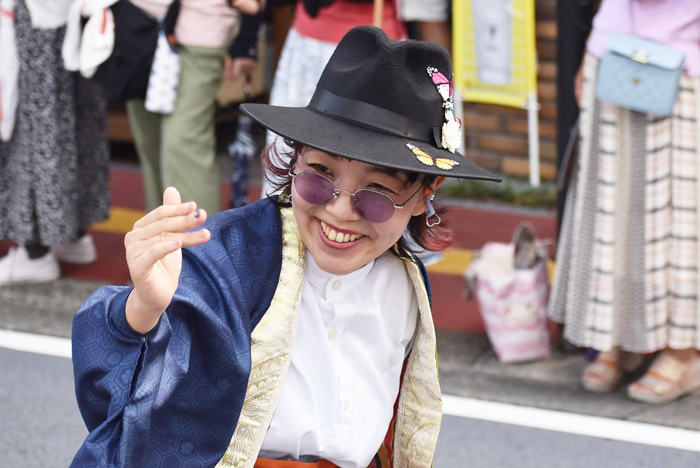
(41, 426)
(472, 443)
(40, 423)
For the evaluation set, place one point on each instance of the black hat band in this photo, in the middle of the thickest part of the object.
(376, 118)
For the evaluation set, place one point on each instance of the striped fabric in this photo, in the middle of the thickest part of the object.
(627, 261)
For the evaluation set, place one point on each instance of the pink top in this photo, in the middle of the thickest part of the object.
(332, 22)
(675, 23)
(204, 23)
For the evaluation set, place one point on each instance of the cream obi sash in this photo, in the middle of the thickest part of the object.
(420, 401)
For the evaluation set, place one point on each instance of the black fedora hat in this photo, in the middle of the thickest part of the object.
(382, 102)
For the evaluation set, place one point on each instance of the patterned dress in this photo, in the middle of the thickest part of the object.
(300, 66)
(54, 181)
(627, 262)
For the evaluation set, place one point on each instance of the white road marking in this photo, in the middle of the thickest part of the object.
(33, 343)
(559, 421)
(592, 426)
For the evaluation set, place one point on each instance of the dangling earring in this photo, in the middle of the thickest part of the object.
(286, 196)
(430, 211)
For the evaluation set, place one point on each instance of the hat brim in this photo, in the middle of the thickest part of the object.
(325, 133)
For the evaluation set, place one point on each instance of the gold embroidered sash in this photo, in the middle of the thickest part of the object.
(419, 412)
(271, 351)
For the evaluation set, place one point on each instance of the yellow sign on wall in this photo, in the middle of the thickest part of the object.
(493, 50)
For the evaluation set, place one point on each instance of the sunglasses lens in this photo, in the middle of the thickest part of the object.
(313, 188)
(373, 206)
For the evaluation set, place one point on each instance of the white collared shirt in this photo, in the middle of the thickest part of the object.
(343, 380)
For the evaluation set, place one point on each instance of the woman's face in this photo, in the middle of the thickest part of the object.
(366, 240)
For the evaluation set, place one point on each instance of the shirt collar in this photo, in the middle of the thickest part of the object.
(320, 278)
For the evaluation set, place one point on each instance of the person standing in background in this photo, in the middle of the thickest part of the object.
(627, 278)
(240, 66)
(179, 149)
(316, 30)
(54, 181)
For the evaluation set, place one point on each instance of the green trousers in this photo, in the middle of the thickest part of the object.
(179, 149)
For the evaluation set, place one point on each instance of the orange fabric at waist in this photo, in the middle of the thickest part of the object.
(269, 463)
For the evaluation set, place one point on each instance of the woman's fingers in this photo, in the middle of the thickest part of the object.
(165, 230)
(165, 211)
(152, 247)
(160, 232)
(176, 223)
(142, 264)
(159, 250)
(163, 242)
(172, 206)
(171, 196)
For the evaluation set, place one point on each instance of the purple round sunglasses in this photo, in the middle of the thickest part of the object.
(374, 206)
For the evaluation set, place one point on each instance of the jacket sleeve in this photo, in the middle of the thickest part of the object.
(105, 351)
(172, 397)
(117, 373)
(133, 389)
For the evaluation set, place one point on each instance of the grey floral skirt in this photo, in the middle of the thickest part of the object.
(54, 171)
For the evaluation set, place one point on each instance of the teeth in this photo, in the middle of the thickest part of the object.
(338, 236)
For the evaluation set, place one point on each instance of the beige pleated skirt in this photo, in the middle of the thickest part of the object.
(627, 258)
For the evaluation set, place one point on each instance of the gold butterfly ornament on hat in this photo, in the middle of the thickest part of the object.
(441, 163)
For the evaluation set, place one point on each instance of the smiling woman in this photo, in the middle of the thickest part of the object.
(321, 225)
(429, 235)
(376, 202)
(295, 331)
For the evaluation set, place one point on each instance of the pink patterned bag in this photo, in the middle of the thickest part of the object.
(512, 302)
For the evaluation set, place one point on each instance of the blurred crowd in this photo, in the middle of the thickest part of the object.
(65, 63)
(627, 282)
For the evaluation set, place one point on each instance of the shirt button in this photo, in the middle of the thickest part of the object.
(336, 285)
(346, 403)
(332, 334)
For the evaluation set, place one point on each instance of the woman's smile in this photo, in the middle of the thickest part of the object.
(338, 235)
(338, 238)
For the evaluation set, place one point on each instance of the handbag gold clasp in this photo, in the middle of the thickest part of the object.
(641, 55)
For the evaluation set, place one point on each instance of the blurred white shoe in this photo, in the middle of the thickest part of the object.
(81, 251)
(17, 268)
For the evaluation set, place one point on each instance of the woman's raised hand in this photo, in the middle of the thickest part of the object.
(154, 257)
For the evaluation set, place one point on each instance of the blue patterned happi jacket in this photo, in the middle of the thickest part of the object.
(172, 398)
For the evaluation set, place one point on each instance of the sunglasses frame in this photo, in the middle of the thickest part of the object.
(336, 193)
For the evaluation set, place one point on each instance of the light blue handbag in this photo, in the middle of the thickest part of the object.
(639, 74)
